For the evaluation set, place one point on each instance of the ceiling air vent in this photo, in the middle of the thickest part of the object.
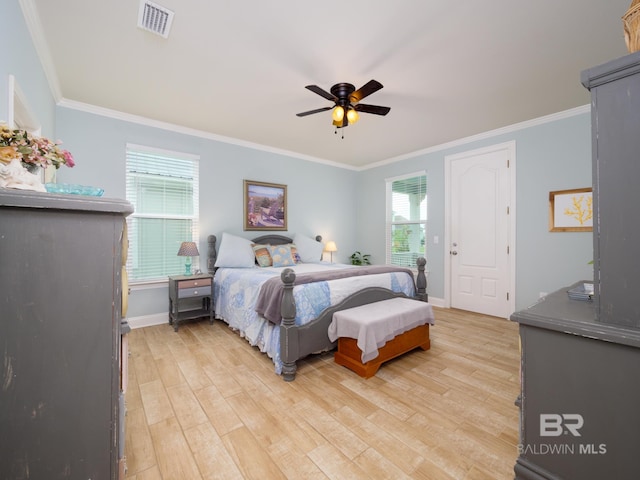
(154, 18)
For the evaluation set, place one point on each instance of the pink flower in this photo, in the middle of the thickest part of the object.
(68, 158)
(34, 150)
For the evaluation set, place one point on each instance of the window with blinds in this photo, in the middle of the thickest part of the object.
(406, 219)
(162, 186)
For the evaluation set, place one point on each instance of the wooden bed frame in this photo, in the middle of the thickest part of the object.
(299, 341)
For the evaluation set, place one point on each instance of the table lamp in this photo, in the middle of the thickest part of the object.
(331, 247)
(188, 250)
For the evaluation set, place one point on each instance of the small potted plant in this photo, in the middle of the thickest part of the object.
(358, 258)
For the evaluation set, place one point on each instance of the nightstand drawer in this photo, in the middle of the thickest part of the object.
(194, 292)
(200, 282)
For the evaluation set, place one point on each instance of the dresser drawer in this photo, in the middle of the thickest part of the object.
(200, 282)
(194, 292)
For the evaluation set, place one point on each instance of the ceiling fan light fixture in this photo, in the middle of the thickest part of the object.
(338, 114)
(352, 116)
(346, 101)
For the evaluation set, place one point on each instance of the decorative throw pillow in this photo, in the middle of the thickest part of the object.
(262, 255)
(310, 251)
(294, 253)
(235, 252)
(281, 256)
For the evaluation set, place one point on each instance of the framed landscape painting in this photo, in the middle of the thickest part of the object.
(265, 206)
(571, 210)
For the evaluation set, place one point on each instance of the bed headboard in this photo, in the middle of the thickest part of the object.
(272, 239)
(269, 239)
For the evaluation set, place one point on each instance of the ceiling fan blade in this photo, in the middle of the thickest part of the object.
(310, 112)
(375, 109)
(367, 89)
(321, 92)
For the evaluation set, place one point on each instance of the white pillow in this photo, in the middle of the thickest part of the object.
(310, 251)
(235, 252)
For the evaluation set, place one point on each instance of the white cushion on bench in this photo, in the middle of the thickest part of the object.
(374, 324)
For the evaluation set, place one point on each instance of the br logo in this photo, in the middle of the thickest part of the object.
(554, 425)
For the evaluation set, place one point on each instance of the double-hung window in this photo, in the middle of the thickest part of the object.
(406, 219)
(162, 186)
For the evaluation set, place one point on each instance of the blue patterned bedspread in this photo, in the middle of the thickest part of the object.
(236, 292)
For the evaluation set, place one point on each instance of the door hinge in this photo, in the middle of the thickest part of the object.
(507, 296)
(508, 211)
(508, 163)
(507, 249)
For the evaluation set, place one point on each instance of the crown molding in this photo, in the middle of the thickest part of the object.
(127, 117)
(489, 134)
(32, 19)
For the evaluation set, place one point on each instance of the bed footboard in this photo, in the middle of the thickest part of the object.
(297, 342)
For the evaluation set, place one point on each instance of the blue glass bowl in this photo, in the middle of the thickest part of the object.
(73, 189)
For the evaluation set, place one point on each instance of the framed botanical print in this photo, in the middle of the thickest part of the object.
(571, 210)
(265, 206)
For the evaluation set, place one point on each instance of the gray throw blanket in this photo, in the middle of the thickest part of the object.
(271, 291)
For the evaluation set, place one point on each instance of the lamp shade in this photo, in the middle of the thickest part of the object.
(338, 114)
(188, 249)
(352, 116)
(331, 247)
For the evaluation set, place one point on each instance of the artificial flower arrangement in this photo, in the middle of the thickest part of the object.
(32, 151)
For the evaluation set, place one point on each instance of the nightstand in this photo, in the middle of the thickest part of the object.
(190, 296)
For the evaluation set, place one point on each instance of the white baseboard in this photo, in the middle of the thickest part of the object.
(436, 302)
(148, 320)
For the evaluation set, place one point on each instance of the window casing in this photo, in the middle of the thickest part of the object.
(162, 186)
(406, 219)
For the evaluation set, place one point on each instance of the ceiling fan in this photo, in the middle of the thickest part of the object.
(346, 99)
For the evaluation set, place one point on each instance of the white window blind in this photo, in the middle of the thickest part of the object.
(163, 189)
(406, 219)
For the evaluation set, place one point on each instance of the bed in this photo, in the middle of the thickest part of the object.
(292, 321)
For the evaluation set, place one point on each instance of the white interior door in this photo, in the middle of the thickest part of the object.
(479, 236)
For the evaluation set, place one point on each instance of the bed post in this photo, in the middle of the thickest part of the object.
(211, 253)
(288, 332)
(421, 281)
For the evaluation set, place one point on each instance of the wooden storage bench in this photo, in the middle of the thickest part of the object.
(372, 334)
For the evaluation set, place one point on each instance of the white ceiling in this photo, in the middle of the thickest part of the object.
(237, 69)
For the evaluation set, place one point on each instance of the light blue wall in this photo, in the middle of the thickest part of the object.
(551, 156)
(19, 58)
(321, 198)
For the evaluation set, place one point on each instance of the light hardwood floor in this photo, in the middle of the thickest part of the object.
(203, 404)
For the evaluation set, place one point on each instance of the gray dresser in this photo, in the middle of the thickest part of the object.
(580, 394)
(580, 398)
(61, 297)
(615, 121)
